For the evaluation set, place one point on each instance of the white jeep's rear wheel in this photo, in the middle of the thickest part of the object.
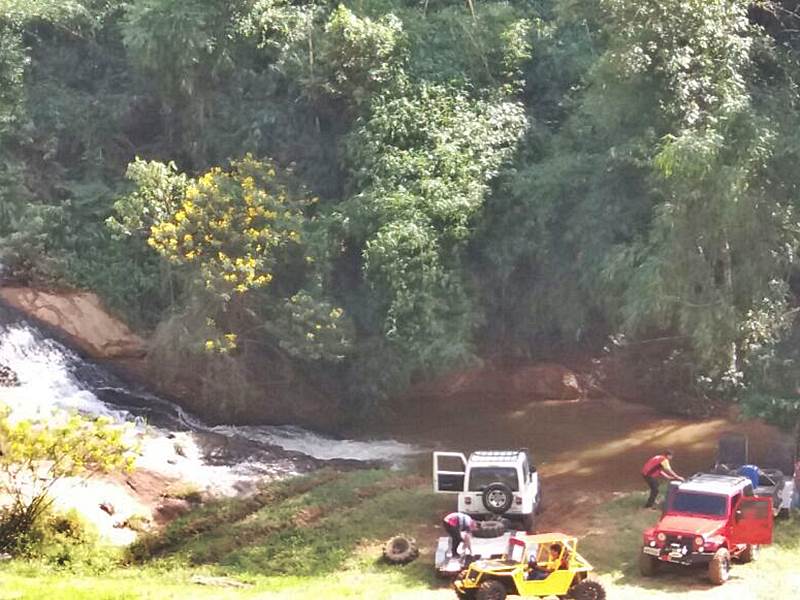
(497, 498)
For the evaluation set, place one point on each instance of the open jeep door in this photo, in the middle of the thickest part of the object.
(449, 469)
(752, 521)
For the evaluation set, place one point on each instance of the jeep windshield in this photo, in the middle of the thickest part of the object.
(699, 504)
(480, 477)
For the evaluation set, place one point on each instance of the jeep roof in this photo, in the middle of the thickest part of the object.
(727, 485)
(494, 457)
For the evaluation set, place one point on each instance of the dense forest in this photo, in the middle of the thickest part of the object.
(375, 191)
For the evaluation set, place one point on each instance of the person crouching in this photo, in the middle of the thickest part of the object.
(459, 526)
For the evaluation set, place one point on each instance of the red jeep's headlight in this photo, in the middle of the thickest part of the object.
(699, 541)
(661, 537)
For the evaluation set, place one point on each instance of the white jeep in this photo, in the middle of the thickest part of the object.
(490, 484)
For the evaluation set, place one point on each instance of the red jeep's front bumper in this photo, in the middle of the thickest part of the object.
(679, 557)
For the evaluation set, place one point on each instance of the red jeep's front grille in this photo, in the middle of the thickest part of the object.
(679, 543)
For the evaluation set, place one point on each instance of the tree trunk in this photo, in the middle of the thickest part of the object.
(727, 270)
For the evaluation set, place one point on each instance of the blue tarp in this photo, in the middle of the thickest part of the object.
(751, 472)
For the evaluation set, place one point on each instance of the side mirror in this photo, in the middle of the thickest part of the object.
(533, 469)
(738, 515)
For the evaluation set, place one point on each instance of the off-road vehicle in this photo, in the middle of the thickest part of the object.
(709, 519)
(511, 575)
(490, 484)
(768, 474)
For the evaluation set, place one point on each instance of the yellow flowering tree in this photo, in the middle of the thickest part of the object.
(230, 225)
(36, 454)
(230, 232)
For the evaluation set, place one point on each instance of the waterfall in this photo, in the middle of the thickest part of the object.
(174, 442)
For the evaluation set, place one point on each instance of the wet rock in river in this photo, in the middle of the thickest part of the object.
(8, 378)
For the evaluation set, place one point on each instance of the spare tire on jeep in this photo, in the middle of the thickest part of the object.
(400, 549)
(489, 529)
(497, 498)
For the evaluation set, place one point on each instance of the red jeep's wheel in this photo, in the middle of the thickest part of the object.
(719, 569)
(491, 590)
(750, 553)
(648, 565)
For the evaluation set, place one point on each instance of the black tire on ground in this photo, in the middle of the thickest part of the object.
(750, 554)
(497, 498)
(648, 565)
(466, 595)
(491, 590)
(719, 569)
(489, 529)
(588, 589)
(400, 549)
(529, 522)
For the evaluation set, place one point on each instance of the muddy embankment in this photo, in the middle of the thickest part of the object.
(248, 388)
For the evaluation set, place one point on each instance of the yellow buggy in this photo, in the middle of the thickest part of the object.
(514, 573)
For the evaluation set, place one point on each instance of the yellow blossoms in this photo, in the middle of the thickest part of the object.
(229, 223)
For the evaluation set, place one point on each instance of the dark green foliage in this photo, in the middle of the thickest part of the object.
(508, 175)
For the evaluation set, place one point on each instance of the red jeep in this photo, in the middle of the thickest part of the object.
(708, 519)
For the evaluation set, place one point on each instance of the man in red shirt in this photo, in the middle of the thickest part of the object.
(656, 467)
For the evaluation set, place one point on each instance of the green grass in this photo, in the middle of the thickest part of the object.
(319, 537)
(314, 536)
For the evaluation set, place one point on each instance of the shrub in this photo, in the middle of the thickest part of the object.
(38, 453)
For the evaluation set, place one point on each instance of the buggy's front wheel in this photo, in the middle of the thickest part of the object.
(491, 590)
(588, 589)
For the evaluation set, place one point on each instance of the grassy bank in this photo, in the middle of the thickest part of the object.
(320, 537)
(316, 536)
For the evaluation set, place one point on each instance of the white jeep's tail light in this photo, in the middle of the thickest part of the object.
(518, 500)
(467, 500)
(699, 541)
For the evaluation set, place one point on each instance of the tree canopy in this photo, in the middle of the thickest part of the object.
(379, 190)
